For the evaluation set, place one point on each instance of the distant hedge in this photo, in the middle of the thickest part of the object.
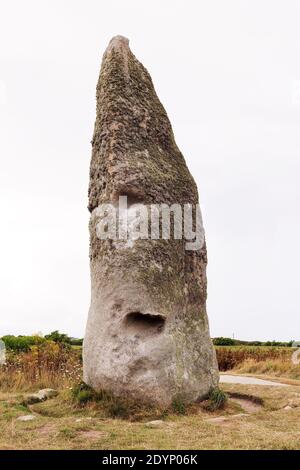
(235, 342)
(58, 337)
(224, 341)
(76, 341)
(22, 343)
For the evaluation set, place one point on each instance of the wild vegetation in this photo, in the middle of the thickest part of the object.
(44, 365)
(24, 343)
(55, 361)
(80, 418)
(221, 341)
(272, 361)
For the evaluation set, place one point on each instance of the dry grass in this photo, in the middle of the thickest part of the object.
(54, 365)
(103, 422)
(230, 357)
(59, 424)
(272, 368)
(271, 361)
(49, 365)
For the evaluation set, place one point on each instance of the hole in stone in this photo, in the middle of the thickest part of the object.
(134, 199)
(134, 196)
(145, 322)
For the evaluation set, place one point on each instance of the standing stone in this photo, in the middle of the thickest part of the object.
(147, 333)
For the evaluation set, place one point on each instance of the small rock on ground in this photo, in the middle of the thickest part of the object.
(158, 423)
(26, 418)
(41, 395)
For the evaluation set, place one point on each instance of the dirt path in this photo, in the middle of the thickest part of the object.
(243, 380)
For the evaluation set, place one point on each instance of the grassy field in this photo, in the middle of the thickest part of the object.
(55, 365)
(272, 361)
(60, 424)
(253, 417)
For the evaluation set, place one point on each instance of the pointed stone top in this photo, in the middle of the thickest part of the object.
(118, 42)
(134, 150)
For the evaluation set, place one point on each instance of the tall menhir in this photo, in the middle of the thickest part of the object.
(147, 333)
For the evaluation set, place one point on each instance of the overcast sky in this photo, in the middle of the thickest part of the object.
(228, 74)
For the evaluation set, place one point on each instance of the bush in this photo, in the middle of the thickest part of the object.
(22, 343)
(58, 337)
(223, 341)
(178, 406)
(216, 400)
(76, 341)
(82, 393)
(46, 365)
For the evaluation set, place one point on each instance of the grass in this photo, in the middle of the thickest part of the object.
(54, 365)
(272, 368)
(230, 357)
(79, 418)
(217, 400)
(61, 424)
(49, 365)
(257, 360)
(106, 405)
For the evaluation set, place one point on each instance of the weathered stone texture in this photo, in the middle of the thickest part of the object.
(147, 333)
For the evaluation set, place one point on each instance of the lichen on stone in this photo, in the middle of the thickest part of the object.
(134, 153)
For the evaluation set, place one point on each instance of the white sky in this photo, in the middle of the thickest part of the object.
(228, 74)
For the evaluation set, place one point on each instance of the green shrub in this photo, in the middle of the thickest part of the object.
(223, 341)
(82, 393)
(178, 406)
(76, 341)
(112, 406)
(22, 343)
(58, 337)
(84, 396)
(216, 400)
